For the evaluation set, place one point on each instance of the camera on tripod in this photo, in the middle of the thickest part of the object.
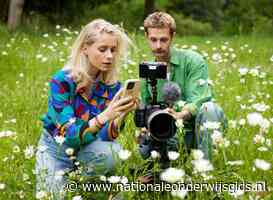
(153, 116)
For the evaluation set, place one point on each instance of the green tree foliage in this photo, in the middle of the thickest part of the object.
(199, 10)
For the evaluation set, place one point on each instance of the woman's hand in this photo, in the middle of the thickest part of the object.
(117, 107)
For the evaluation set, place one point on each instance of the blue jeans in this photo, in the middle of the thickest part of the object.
(212, 112)
(96, 158)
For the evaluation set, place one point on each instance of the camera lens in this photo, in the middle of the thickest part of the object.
(161, 125)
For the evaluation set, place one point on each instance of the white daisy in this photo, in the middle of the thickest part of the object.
(197, 154)
(235, 162)
(254, 119)
(124, 154)
(173, 155)
(114, 179)
(181, 194)
(172, 175)
(41, 194)
(202, 165)
(155, 154)
(29, 151)
(69, 151)
(262, 164)
(2, 186)
(78, 197)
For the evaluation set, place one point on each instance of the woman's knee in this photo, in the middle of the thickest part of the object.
(99, 156)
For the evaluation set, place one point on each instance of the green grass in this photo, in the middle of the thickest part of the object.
(24, 98)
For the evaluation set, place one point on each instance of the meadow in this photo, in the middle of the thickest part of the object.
(241, 74)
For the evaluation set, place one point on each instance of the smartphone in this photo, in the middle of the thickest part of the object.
(131, 88)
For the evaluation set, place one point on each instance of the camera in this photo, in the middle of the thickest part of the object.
(152, 70)
(153, 116)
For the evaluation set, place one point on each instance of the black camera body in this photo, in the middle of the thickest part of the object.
(152, 70)
(159, 123)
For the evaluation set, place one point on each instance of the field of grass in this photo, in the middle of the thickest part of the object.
(241, 69)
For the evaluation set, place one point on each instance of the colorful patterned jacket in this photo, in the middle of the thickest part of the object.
(69, 110)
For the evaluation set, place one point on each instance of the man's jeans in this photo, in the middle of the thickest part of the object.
(97, 158)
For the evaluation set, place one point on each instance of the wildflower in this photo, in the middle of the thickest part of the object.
(194, 47)
(232, 123)
(155, 154)
(78, 197)
(16, 149)
(7, 133)
(262, 149)
(29, 151)
(173, 155)
(254, 118)
(2, 186)
(179, 193)
(124, 154)
(103, 178)
(44, 59)
(242, 122)
(236, 193)
(38, 56)
(197, 154)
(172, 175)
(262, 164)
(124, 180)
(235, 162)
(69, 151)
(216, 57)
(243, 71)
(4, 53)
(258, 139)
(254, 72)
(202, 165)
(114, 179)
(41, 194)
(260, 107)
(217, 138)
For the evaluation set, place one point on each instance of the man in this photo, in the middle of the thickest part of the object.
(189, 70)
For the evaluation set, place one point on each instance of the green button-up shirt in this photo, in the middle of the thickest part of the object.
(190, 71)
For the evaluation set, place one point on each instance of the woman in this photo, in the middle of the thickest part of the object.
(85, 109)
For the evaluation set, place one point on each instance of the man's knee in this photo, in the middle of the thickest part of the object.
(211, 111)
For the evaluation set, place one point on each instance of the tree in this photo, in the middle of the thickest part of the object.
(15, 13)
(149, 7)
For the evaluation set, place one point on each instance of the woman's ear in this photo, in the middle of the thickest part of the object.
(84, 50)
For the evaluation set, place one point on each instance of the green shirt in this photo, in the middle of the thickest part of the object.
(190, 71)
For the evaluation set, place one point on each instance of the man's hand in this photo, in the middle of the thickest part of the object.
(184, 114)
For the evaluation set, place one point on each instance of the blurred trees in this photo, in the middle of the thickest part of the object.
(198, 16)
